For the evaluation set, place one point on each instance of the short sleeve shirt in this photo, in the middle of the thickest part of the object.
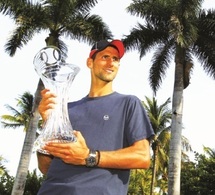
(107, 123)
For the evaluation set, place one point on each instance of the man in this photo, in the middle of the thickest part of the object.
(112, 132)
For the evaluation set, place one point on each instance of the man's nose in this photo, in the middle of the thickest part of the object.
(110, 62)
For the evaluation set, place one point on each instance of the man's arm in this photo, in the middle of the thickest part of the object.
(135, 156)
(44, 162)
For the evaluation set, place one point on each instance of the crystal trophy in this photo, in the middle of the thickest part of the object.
(57, 75)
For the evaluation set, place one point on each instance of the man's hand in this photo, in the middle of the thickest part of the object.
(72, 153)
(47, 103)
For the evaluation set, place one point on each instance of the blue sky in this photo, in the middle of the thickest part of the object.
(17, 75)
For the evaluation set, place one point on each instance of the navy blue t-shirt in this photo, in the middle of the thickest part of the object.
(107, 123)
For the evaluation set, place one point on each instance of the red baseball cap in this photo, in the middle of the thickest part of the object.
(101, 45)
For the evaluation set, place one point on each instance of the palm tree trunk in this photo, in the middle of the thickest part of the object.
(22, 170)
(176, 128)
(21, 176)
(155, 150)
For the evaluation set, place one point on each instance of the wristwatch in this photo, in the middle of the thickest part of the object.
(91, 159)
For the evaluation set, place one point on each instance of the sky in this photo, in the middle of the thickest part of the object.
(17, 76)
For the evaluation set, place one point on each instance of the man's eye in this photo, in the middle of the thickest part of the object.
(105, 57)
(115, 59)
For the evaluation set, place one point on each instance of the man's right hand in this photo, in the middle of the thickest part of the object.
(47, 103)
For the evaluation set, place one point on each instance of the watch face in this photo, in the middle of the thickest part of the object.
(91, 160)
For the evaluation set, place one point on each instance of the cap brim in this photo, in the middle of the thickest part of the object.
(104, 44)
(120, 47)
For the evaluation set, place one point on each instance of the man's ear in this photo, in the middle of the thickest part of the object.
(89, 62)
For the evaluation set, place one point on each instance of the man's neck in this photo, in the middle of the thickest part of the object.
(96, 91)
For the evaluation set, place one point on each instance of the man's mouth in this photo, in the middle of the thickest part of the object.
(109, 70)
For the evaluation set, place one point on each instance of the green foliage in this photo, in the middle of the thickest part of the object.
(19, 117)
(179, 30)
(174, 29)
(6, 183)
(33, 183)
(69, 19)
(199, 177)
(160, 118)
(2, 167)
(140, 181)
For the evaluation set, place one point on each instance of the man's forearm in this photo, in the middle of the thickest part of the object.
(136, 156)
(44, 162)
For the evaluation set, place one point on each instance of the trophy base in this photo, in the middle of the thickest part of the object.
(42, 151)
(65, 140)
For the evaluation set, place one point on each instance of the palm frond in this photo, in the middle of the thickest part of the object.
(20, 36)
(69, 18)
(144, 38)
(20, 116)
(204, 46)
(85, 5)
(87, 28)
(160, 63)
(11, 125)
(13, 110)
(155, 12)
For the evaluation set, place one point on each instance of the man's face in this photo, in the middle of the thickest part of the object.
(106, 64)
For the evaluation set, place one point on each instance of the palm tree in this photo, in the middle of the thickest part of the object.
(139, 182)
(160, 118)
(179, 29)
(69, 19)
(20, 118)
